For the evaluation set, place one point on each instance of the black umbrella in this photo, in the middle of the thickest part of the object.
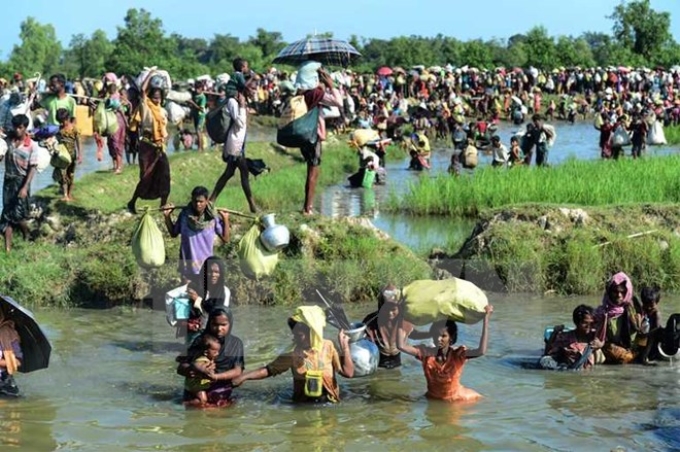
(328, 51)
(34, 344)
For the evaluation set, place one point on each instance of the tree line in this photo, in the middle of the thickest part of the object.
(640, 37)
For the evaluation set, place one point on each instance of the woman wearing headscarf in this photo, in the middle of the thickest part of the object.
(616, 319)
(228, 365)
(314, 361)
(151, 123)
(10, 354)
(205, 293)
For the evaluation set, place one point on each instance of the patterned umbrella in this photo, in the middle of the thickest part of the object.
(34, 344)
(327, 51)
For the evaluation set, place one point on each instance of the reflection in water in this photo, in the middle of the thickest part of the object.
(26, 424)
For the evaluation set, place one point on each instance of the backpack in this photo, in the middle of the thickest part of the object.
(297, 125)
(217, 124)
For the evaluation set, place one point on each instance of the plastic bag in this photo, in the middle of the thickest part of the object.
(176, 113)
(620, 137)
(217, 124)
(301, 131)
(254, 258)
(105, 121)
(61, 157)
(44, 158)
(426, 301)
(147, 243)
(369, 178)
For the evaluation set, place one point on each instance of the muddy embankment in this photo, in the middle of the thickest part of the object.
(567, 249)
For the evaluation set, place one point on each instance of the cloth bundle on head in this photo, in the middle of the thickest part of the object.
(315, 318)
(359, 138)
(307, 75)
(8, 335)
(608, 307)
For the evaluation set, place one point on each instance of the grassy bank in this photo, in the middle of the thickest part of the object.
(577, 182)
(81, 253)
(538, 248)
(672, 135)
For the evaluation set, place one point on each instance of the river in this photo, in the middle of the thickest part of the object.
(111, 384)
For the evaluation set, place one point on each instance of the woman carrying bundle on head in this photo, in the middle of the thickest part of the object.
(443, 364)
(151, 122)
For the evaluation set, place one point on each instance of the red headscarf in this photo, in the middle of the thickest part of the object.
(608, 307)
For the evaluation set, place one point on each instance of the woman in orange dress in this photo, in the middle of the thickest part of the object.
(443, 365)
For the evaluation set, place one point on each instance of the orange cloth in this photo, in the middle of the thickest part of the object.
(296, 361)
(160, 121)
(443, 379)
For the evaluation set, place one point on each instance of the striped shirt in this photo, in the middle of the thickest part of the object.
(19, 158)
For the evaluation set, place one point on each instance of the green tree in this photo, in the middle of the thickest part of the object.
(477, 53)
(86, 57)
(540, 48)
(141, 42)
(39, 51)
(269, 42)
(641, 29)
(573, 52)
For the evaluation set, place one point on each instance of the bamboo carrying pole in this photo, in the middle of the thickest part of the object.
(632, 236)
(219, 209)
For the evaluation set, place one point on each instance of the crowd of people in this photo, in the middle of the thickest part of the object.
(434, 103)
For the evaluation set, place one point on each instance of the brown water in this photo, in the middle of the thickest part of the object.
(111, 386)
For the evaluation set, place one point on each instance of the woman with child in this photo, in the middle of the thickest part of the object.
(225, 367)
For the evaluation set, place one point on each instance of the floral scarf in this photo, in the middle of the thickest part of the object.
(198, 223)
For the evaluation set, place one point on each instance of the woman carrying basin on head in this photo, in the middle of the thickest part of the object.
(314, 361)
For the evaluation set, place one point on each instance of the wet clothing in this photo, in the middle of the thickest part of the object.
(196, 384)
(443, 379)
(566, 349)
(230, 357)
(299, 361)
(390, 356)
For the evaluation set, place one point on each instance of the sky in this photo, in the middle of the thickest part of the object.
(295, 19)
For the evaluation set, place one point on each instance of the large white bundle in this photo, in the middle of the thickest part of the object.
(180, 97)
(656, 134)
(147, 70)
(176, 113)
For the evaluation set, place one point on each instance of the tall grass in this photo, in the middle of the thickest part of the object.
(578, 182)
(672, 135)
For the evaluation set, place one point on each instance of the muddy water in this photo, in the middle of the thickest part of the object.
(111, 385)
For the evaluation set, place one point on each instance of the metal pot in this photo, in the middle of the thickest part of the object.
(275, 236)
(356, 332)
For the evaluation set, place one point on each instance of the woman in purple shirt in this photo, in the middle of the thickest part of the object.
(198, 225)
